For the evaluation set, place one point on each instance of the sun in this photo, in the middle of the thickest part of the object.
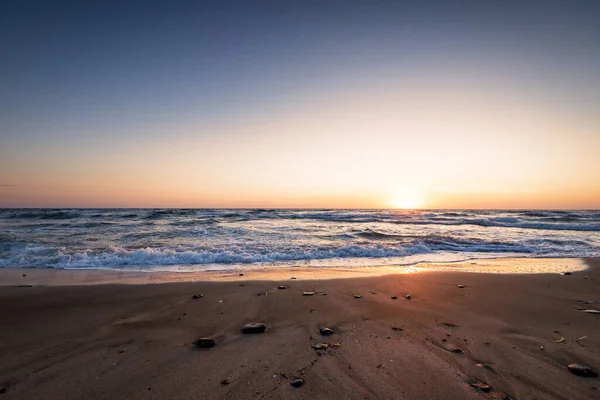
(406, 201)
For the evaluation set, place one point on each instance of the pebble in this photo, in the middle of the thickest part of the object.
(373, 292)
(461, 286)
(321, 346)
(197, 296)
(3, 389)
(408, 297)
(282, 287)
(308, 293)
(357, 296)
(293, 277)
(394, 297)
(241, 274)
(455, 349)
(254, 327)
(481, 386)
(582, 370)
(326, 331)
(225, 381)
(297, 382)
(565, 273)
(591, 311)
(205, 343)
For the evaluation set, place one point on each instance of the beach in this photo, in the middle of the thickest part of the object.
(500, 336)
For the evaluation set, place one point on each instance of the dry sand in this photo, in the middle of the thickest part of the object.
(116, 341)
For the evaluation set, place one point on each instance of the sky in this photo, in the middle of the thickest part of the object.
(316, 104)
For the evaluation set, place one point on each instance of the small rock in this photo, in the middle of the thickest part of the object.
(293, 278)
(373, 292)
(241, 285)
(254, 327)
(395, 328)
(357, 296)
(408, 297)
(542, 348)
(326, 331)
(591, 311)
(262, 294)
(394, 297)
(197, 296)
(225, 381)
(308, 293)
(321, 346)
(241, 274)
(24, 286)
(582, 370)
(461, 286)
(297, 382)
(282, 287)
(205, 343)
(565, 273)
(480, 386)
(450, 324)
(3, 389)
(24, 275)
(455, 349)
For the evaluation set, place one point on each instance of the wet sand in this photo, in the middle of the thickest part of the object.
(136, 341)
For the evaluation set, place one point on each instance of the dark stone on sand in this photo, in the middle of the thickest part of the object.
(24, 275)
(373, 292)
(321, 346)
(408, 297)
(225, 381)
(197, 296)
(357, 296)
(394, 297)
(3, 389)
(480, 386)
(241, 274)
(254, 327)
(326, 331)
(205, 343)
(566, 273)
(450, 324)
(461, 286)
(308, 293)
(293, 277)
(582, 370)
(282, 287)
(297, 382)
(24, 286)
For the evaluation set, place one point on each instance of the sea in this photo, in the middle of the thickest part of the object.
(190, 240)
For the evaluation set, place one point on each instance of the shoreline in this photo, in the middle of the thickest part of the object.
(513, 333)
(15, 276)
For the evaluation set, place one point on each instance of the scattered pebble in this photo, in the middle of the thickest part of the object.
(542, 348)
(282, 287)
(461, 286)
(455, 349)
(254, 327)
(24, 275)
(582, 370)
(241, 285)
(24, 286)
(591, 311)
(241, 275)
(326, 331)
(395, 328)
(373, 292)
(450, 324)
(3, 389)
(293, 277)
(357, 296)
(321, 346)
(480, 386)
(197, 296)
(394, 297)
(308, 293)
(408, 297)
(565, 273)
(225, 381)
(262, 293)
(297, 382)
(205, 343)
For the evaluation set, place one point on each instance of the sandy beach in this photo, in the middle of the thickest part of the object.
(513, 333)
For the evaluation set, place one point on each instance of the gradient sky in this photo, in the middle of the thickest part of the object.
(435, 104)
